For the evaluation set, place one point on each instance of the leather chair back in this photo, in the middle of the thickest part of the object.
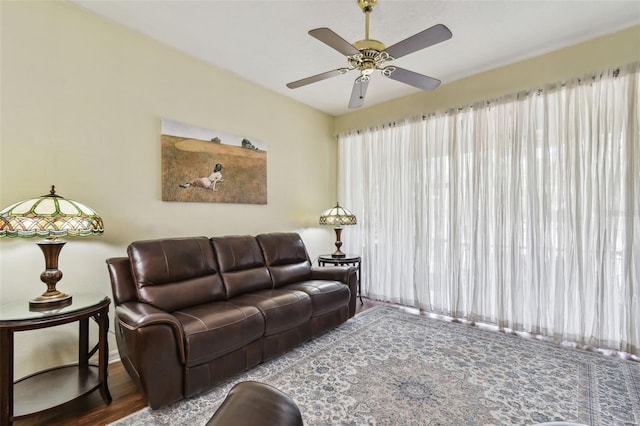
(122, 284)
(172, 274)
(286, 257)
(241, 264)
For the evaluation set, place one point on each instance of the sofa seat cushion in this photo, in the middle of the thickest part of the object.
(282, 309)
(215, 329)
(326, 296)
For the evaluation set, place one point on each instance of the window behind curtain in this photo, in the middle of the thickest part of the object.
(522, 211)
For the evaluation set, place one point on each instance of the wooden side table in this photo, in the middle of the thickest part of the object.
(47, 389)
(349, 259)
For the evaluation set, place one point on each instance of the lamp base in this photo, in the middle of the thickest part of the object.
(338, 253)
(50, 300)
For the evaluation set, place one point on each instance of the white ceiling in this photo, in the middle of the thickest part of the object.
(266, 42)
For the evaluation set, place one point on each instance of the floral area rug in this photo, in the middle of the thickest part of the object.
(389, 367)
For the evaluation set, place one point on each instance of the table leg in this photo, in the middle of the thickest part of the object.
(103, 353)
(360, 283)
(83, 344)
(6, 377)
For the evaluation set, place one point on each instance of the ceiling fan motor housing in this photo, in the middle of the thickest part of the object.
(369, 44)
(371, 57)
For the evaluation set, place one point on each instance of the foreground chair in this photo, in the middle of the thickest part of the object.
(256, 404)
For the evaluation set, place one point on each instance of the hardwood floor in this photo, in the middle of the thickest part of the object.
(91, 410)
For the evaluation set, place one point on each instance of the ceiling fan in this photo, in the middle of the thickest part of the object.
(369, 55)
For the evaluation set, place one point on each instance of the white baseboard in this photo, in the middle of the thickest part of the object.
(114, 356)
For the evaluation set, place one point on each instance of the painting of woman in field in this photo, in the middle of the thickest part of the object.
(194, 161)
(207, 182)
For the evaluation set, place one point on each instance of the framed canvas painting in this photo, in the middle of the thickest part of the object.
(204, 165)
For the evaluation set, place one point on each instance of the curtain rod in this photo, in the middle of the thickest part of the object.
(615, 72)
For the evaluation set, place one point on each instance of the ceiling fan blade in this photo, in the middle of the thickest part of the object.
(359, 92)
(316, 78)
(413, 79)
(434, 35)
(333, 40)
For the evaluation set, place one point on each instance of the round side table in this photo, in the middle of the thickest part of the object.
(56, 386)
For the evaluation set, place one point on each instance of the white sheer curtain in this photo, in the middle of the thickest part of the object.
(522, 212)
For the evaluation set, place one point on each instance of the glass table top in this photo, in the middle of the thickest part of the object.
(19, 311)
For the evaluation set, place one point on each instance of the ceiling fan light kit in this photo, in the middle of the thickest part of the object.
(369, 55)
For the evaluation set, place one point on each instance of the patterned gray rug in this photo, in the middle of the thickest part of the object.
(388, 367)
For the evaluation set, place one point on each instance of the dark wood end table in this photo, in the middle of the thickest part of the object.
(53, 387)
(348, 259)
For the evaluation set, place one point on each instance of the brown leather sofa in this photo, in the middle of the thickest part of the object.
(191, 312)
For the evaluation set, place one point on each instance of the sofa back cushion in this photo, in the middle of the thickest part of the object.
(175, 273)
(286, 257)
(241, 264)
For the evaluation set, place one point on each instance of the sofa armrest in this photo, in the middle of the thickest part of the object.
(151, 346)
(334, 273)
(134, 315)
(345, 274)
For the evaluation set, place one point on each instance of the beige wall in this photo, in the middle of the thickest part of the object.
(81, 106)
(595, 55)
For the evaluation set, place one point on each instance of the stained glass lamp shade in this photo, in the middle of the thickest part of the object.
(337, 217)
(50, 216)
